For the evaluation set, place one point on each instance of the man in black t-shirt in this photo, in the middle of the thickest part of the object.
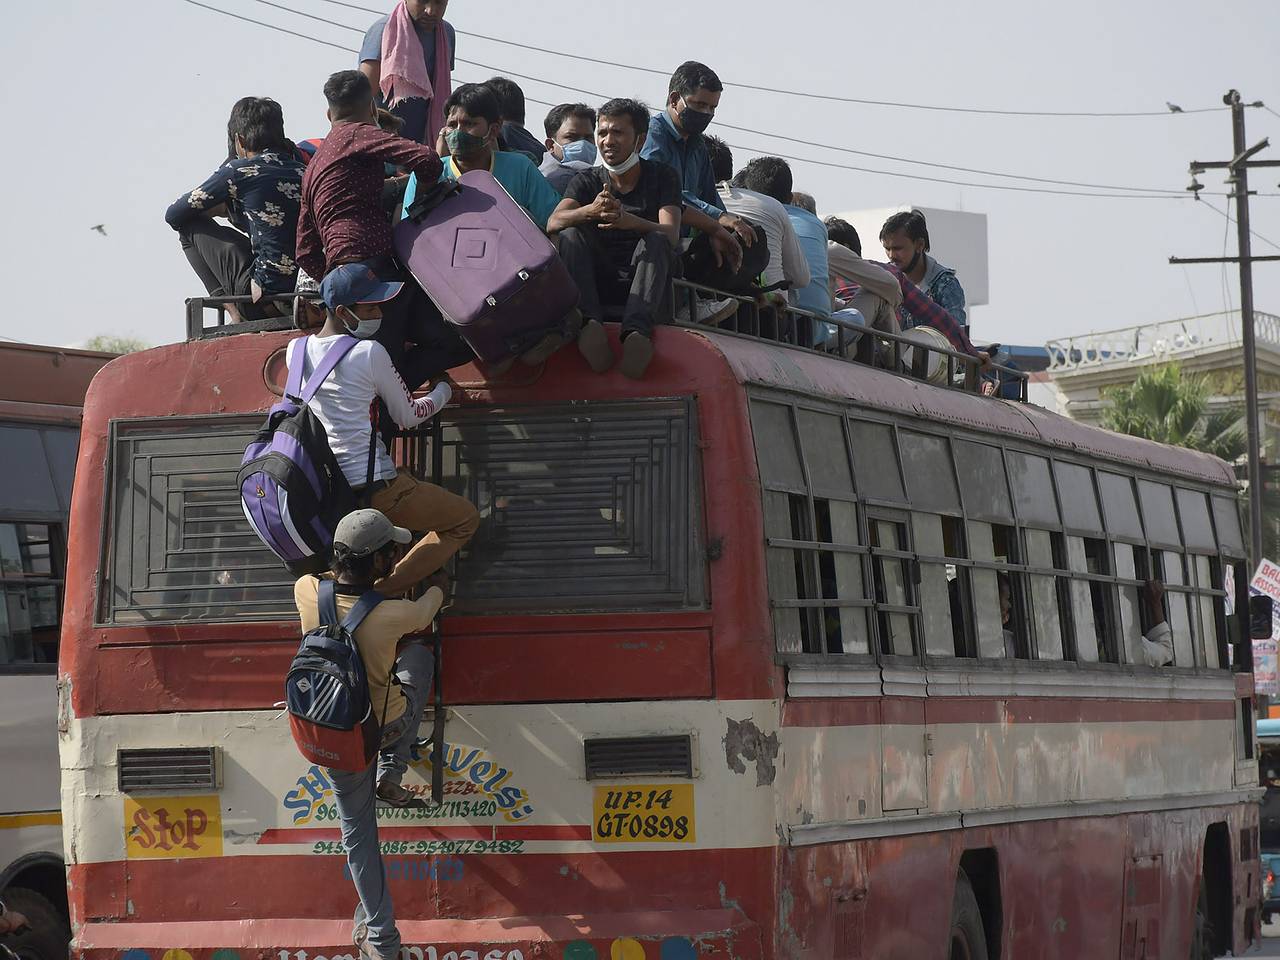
(619, 227)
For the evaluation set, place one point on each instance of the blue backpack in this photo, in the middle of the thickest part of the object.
(327, 690)
(292, 490)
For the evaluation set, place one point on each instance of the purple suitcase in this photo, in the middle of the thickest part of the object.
(494, 275)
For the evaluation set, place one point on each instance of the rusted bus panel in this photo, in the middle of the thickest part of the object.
(807, 372)
(46, 376)
(1060, 884)
(839, 774)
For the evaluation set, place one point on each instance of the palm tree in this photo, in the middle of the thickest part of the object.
(1167, 405)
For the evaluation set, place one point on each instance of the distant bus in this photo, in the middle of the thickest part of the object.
(768, 655)
(41, 389)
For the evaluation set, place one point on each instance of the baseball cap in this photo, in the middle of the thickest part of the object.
(355, 283)
(362, 532)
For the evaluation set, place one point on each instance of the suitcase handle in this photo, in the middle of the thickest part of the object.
(427, 200)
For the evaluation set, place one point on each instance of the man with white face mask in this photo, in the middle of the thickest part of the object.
(353, 296)
(571, 144)
(619, 227)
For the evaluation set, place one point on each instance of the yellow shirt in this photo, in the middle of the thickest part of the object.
(377, 636)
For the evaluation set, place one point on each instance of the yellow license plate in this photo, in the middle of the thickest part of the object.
(643, 813)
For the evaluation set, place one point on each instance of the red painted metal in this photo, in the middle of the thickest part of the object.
(241, 666)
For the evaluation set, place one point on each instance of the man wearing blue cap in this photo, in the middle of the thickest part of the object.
(353, 296)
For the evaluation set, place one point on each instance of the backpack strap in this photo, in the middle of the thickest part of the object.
(325, 367)
(326, 602)
(361, 609)
(297, 357)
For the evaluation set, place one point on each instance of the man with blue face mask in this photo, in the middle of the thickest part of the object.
(353, 297)
(571, 145)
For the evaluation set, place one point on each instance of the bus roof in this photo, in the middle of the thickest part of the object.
(769, 364)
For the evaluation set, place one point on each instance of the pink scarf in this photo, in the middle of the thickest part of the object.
(404, 68)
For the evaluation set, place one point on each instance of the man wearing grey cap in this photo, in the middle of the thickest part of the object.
(364, 551)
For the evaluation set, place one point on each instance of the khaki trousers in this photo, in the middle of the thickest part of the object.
(446, 520)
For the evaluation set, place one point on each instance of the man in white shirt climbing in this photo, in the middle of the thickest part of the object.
(352, 295)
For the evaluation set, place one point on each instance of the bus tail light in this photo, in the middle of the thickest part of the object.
(168, 768)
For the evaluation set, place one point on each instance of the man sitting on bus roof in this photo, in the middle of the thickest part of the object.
(866, 287)
(469, 141)
(571, 144)
(675, 138)
(261, 185)
(342, 221)
(619, 226)
(513, 136)
(364, 552)
(353, 296)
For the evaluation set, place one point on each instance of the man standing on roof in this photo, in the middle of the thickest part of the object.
(364, 551)
(353, 296)
(906, 243)
(675, 138)
(408, 57)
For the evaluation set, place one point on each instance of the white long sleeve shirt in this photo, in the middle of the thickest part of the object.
(343, 402)
(1155, 649)
(786, 257)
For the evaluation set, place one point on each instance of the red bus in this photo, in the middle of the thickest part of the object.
(769, 655)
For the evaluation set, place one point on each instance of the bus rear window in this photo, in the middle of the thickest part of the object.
(588, 506)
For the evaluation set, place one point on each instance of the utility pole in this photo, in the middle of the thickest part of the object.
(1238, 168)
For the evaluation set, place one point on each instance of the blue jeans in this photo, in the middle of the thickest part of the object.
(355, 796)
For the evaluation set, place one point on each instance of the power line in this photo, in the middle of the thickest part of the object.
(270, 26)
(1255, 233)
(816, 96)
(1153, 194)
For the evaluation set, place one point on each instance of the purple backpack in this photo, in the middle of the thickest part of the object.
(291, 488)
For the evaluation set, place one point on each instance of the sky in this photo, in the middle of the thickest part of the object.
(128, 104)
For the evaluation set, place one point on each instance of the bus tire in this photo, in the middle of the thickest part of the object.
(47, 936)
(968, 940)
(1201, 929)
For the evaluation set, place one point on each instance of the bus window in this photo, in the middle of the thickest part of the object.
(980, 468)
(1128, 562)
(840, 574)
(1120, 506)
(1046, 600)
(936, 579)
(1226, 517)
(1169, 569)
(30, 593)
(1193, 511)
(875, 461)
(1033, 489)
(1157, 511)
(1079, 499)
(1209, 577)
(895, 609)
(986, 593)
(959, 588)
(1088, 607)
(1102, 598)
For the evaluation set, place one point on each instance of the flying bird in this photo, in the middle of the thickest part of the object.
(1173, 107)
(100, 227)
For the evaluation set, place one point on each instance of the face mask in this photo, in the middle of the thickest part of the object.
(694, 121)
(622, 167)
(463, 144)
(363, 329)
(583, 151)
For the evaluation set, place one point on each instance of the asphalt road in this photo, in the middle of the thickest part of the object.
(1270, 942)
